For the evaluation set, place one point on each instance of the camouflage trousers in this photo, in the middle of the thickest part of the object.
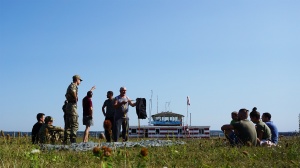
(71, 123)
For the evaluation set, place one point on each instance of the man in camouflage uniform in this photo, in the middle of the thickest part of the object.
(48, 132)
(71, 115)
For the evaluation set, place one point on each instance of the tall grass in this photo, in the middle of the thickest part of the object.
(19, 152)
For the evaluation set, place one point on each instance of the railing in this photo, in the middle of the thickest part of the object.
(166, 122)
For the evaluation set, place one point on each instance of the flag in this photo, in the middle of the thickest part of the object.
(188, 101)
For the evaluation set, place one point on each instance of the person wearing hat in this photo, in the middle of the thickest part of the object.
(47, 131)
(109, 112)
(87, 117)
(71, 115)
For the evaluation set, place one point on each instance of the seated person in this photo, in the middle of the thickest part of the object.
(262, 130)
(266, 117)
(36, 127)
(234, 117)
(48, 132)
(243, 130)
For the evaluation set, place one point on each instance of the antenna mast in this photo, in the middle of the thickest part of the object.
(150, 108)
(157, 105)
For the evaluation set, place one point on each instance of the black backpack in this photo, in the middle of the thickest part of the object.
(141, 108)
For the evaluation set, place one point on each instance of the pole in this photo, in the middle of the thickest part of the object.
(187, 114)
(190, 119)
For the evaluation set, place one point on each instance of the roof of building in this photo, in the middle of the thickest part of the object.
(167, 114)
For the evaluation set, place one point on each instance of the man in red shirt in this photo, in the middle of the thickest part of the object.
(87, 118)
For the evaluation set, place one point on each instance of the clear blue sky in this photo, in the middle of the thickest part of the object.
(225, 55)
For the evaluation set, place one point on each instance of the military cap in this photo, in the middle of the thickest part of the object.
(77, 77)
(48, 118)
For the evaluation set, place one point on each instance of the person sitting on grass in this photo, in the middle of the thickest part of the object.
(266, 117)
(243, 131)
(48, 132)
(262, 130)
(36, 127)
(234, 117)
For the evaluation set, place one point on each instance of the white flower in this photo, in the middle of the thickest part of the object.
(35, 151)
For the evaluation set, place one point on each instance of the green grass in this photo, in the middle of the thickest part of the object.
(15, 152)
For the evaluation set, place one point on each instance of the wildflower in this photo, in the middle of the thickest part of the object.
(144, 152)
(107, 153)
(96, 150)
(108, 149)
(8, 137)
(2, 133)
(19, 134)
(104, 148)
(35, 151)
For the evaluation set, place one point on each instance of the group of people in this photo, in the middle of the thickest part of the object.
(43, 130)
(259, 132)
(114, 109)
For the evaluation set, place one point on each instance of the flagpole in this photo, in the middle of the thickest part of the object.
(187, 109)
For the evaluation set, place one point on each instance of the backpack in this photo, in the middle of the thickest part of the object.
(141, 108)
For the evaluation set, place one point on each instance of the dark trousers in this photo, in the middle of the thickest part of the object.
(109, 135)
(124, 122)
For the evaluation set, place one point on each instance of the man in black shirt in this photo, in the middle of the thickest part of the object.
(36, 127)
(109, 115)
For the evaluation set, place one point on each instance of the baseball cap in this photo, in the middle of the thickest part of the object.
(77, 77)
(48, 118)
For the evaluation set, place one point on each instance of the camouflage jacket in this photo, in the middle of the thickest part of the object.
(46, 131)
(70, 93)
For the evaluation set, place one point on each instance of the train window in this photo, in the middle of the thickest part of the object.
(156, 131)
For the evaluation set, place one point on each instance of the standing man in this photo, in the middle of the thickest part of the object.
(266, 117)
(121, 105)
(71, 115)
(87, 117)
(36, 127)
(109, 114)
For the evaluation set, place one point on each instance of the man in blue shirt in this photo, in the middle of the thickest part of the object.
(266, 117)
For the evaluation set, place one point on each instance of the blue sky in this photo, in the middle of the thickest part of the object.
(225, 55)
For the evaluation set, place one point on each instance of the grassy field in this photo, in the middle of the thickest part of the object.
(19, 152)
